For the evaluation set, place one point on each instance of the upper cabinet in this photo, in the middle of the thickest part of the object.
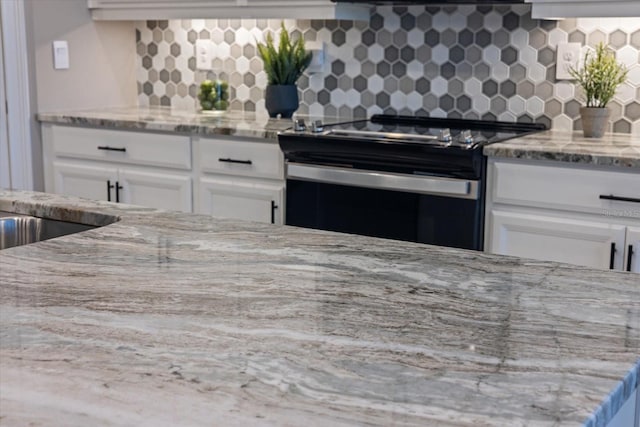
(549, 9)
(134, 10)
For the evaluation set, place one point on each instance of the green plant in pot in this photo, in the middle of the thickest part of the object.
(599, 77)
(283, 66)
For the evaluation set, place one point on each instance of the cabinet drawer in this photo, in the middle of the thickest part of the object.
(243, 158)
(138, 148)
(566, 188)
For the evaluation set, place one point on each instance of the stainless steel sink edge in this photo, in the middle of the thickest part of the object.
(20, 229)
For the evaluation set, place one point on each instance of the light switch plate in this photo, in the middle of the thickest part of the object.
(204, 54)
(60, 55)
(568, 55)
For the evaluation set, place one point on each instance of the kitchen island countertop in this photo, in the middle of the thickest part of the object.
(166, 318)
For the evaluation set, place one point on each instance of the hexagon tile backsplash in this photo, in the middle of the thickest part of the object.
(489, 62)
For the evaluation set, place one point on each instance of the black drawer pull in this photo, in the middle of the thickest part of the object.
(619, 198)
(612, 258)
(273, 212)
(106, 147)
(629, 257)
(118, 188)
(109, 187)
(242, 162)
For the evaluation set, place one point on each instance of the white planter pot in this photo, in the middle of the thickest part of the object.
(594, 121)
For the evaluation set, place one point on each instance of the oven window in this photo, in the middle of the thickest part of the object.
(443, 221)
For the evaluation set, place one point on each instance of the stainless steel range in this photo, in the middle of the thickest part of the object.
(409, 178)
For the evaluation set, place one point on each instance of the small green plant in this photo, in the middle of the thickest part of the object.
(287, 63)
(599, 76)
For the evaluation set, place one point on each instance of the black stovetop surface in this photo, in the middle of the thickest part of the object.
(399, 128)
(405, 144)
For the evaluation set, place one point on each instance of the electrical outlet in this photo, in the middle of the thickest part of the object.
(318, 59)
(568, 55)
(204, 54)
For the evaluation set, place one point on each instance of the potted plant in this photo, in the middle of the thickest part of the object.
(283, 66)
(599, 78)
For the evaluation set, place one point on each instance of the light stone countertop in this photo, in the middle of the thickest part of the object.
(164, 119)
(612, 150)
(167, 318)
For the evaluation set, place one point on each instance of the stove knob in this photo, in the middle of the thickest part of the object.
(317, 126)
(444, 135)
(299, 126)
(465, 137)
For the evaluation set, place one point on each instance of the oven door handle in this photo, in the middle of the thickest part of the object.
(422, 184)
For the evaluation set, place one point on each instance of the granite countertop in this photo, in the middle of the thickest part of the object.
(612, 150)
(164, 119)
(166, 318)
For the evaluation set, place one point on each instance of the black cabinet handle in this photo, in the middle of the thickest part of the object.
(629, 257)
(106, 147)
(619, 198)
(273, 212)
(612, 258)
(109, 187)
(118, 188)
(243, 162)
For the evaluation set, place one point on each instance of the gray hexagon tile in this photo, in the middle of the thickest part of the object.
(490, 62)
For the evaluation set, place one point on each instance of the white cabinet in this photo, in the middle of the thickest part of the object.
(213, 9)
(240, 179)
(561, 212)
(146, 169)
(91, 182)
(230, 177)
(125, 185)
(632, 250)
(560, 239)
(159, 190)
(554, 9)
(233, 198)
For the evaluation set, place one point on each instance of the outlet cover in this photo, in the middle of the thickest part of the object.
(568, 55)
(317, 61)
(204, 54)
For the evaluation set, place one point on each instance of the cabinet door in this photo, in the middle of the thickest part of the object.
(632, 250)
(157, 190)
(242, 199)
(91, 182)
(557, 239)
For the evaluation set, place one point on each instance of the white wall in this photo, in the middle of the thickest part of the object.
(5, 173)
(102, 58)
(102, 73)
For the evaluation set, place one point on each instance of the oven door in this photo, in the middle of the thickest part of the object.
(425, 209)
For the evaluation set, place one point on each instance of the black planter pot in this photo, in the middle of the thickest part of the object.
(282, 100)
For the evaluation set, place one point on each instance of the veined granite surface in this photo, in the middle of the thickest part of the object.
(614, 149)
(166, 318)
(167, 120)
